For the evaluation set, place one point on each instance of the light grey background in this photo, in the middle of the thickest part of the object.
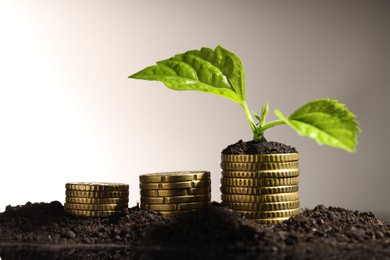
(69, 113)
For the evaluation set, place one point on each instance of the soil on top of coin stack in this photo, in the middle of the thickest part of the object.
(258, 147)
(213, 232)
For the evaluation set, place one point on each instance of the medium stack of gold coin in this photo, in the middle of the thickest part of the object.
(170, 193)
(96, 199)
(263, 187)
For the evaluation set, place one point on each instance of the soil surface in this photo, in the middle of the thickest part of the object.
(45, 231)
(258, 147)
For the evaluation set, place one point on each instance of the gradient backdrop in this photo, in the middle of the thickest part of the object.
(69, 113)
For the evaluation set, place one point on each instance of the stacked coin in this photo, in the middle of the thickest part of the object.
(263, 187)
(96, 199)
(169, 193)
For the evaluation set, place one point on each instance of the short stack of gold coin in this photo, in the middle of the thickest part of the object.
(96, 199)
(263, 187)
(170, 193)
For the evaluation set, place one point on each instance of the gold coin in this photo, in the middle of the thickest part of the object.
(96, 186)
(259, 166)
(174, 207)
(177, 192)
(262, 206)
(175, 185)
(270, 220)
(269, 214)
(174, 176)
(284, 157)
(97, 194)
(258, 191)
(244, 182)
(91, 213)
(177, 199)
(282, 197)
(261, 174)
(99, 207)
(97, 200)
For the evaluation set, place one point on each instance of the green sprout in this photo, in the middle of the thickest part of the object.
(221, 72)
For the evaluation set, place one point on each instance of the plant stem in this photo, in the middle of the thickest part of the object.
(270, 124)
(248, 116)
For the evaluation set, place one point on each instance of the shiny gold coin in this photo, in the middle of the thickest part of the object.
(269, 214)
(281, 197)
(174, 176)
(174, 207)
(97, 200)
(261, 174)
(262, 206)
(258, 191)
(271, 220)
(284, 157)
(100, 207)
(177, 192)
(97, 194)
(96, 186)
(259, 166)
(246, 182)
(91, 213)
(175, 185)
(177, 199)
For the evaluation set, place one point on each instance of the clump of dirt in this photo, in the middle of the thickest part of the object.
(44, 229)
(209, 227)
(49, 223)
(258, 147)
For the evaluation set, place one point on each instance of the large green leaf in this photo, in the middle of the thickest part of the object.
(326, 121)
(216, 71)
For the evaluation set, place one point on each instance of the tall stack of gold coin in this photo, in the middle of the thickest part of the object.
(263, 187)
(170, 193)
(96, 199)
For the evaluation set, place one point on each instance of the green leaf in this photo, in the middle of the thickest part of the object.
(326, 121)
(216, 71)
(264, 113)
(255, 115)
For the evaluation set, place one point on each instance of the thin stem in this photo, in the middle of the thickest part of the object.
(270, 124)
(249, 116)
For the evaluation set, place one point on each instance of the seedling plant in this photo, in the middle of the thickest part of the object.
(221, 72)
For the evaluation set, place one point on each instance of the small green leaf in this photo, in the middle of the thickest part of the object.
(264, 113)
(326, 121)
(218, 72)
(256, 116)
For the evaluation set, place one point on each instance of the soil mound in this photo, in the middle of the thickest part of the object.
(44, 230)
(258, 147)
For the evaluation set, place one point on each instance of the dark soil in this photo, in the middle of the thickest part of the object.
(258, 147)
(45, 231)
